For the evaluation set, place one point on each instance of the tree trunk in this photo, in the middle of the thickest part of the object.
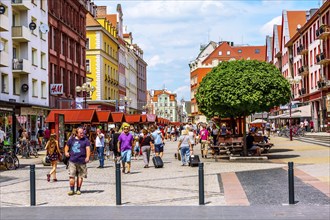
(244, 136)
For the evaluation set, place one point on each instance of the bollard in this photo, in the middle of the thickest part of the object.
(118, 184)
(201, 183)
(32, 185)
(291, 183)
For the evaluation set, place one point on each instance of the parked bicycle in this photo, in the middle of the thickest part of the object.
(8, 157)
(27, 148)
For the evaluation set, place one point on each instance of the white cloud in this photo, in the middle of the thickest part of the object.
(267, 29)
(171, 32)
(183, 91)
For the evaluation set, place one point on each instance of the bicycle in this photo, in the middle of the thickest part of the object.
(8, 158)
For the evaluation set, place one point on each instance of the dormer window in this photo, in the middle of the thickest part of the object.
(220, 53)
(228, 52)
(239, 51)
(257, 51)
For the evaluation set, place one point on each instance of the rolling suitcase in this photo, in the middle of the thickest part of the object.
(158, 162)
(193, 160)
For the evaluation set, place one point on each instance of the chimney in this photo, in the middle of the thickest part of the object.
(101, 11)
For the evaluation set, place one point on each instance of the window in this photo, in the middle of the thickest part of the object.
(43, 89)
(228, 52)
(43, 5)
(34, 57)
(87, 44)
(34, 32)
(34, 88)
(43, 61)
(220, 53)
(239, 51)
(16, 89)
(87, 66)
(4, 83)
(257, 51)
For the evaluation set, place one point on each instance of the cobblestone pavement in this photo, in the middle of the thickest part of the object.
(241, 184)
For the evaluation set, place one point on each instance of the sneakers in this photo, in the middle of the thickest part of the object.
(70, 193)
(78, 192)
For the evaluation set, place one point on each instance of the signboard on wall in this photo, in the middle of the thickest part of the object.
(56, 89)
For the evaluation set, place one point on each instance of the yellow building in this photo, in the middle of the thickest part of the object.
(102, 58)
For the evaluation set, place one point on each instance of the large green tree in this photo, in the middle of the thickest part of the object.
(240, 88)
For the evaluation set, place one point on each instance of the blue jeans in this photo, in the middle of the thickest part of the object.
(100, 155)
(185, 153)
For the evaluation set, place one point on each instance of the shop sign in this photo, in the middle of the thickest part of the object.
(32, 111)
(56, 89)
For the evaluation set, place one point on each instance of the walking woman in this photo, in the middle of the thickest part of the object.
(54, 153)
(147, 146)
(185, 147)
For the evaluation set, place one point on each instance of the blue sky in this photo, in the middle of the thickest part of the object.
(171, 32)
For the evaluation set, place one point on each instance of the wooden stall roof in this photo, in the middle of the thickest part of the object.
(104, 116)
(176, 123)
(74, 116)
(117, 117)
(134, 118)
(151, 118)
(160, 120)
(143, 118)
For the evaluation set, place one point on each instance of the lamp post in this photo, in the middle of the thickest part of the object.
(127, 101)
(85, 88)
(292, 83)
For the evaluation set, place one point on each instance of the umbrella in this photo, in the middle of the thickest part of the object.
(258, 121)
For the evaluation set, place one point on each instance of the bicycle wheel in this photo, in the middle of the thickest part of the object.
(16, 161)
(9, 161)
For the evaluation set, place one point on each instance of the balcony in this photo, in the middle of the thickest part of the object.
(302, 50)
(4, 59)
(4, 23)
(321, 84)
(323, 32)
(303, 71)
(21, 66)
(19, 5)
(321, 59)
(21, 34)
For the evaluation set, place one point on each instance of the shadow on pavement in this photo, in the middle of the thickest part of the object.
(281, 156)
(92, 191)
(279, 150)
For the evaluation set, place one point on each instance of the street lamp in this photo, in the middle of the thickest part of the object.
(86, 89)
(292, 83)
(127, 101)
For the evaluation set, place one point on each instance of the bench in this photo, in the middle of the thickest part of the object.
(228, 145)
(260, 141)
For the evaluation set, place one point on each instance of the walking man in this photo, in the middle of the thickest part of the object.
(125, 143)
(99, 143)
(158, 142)
(78, 149)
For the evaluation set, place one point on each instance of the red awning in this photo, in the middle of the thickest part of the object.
(104, 116)
(143, 118)
(74, 116)
(117, 117)
(134, 118)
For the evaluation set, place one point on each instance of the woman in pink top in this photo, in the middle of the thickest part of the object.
(204, 134)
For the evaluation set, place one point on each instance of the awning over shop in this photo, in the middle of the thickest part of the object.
(74, 116)
(104, 116)
(151, 118)
(258, 121)
(143, 118)
(117, 117)
(135, 118)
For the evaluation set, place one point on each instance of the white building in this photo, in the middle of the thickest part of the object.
(24, 59)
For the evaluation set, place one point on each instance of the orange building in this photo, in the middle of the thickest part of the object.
(210, 56)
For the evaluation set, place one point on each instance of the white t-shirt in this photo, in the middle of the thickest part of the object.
(99, 142)
(2, 135)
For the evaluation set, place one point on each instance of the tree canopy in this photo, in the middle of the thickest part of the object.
(241, 87)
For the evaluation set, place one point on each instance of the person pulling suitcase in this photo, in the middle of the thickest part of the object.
(185, 147)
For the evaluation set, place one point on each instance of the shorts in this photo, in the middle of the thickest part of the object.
(254, 147)
(76, 169)
(126, 155)
(137, 149)
(159, 148)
